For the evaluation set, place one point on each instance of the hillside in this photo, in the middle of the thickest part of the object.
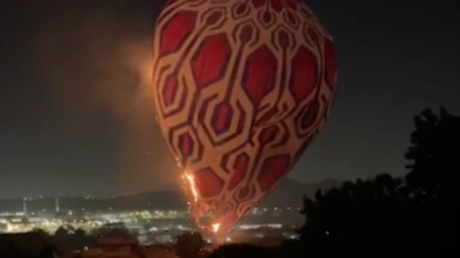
(288, 192)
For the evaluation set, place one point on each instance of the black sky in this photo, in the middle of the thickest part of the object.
(75, 113)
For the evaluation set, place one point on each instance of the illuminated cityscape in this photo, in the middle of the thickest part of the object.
(150, 226)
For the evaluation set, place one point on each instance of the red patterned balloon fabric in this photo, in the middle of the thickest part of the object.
(241, 88)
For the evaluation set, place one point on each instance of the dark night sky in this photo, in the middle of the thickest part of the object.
(75, 113)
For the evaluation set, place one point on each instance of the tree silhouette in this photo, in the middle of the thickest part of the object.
(434, 154)
(189, 245)
(433, 179)
(387, 216)
(245, 251)
(354, 219)
(22, 245)
(80, 233)
(118, 230)
(40, 232)
(61, 232)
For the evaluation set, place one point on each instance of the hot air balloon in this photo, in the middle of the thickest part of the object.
(241, 87)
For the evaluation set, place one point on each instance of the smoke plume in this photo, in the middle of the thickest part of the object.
(97, 66)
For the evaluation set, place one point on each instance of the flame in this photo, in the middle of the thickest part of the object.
(196, 207)
(193, 189)
(215, 227)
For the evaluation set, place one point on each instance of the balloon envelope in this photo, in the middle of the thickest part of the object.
(241, 88)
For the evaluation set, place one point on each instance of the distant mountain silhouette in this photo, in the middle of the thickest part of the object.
(288, 193)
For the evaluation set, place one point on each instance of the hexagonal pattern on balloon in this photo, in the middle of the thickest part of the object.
(304, 74)
(241, 87)
(186, 146)
(214, 53)
(272, 170)
(260, 69)
(209, 183)
(221, 117)
(174, 95)
(222, 122)
(176, 30)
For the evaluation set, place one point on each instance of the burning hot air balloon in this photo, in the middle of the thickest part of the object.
(241, 87)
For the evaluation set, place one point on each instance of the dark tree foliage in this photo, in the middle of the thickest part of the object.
(434, 155)
(69, 239)
(113, 230)
(355, 219)
(26, 245)
(245, 251)
(61, 232)
(189, 245)
(41, 232)
(434, 177)
(386, 217)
